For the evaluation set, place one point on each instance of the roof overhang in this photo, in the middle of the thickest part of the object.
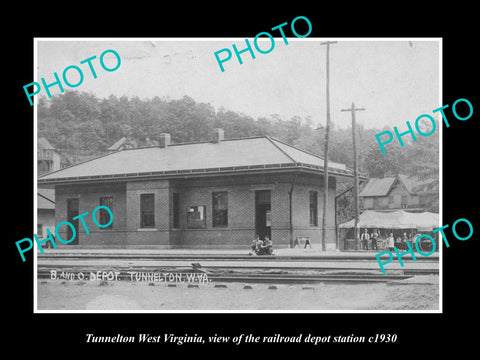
(194, 173)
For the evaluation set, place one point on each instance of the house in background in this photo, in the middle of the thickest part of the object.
(390, 194)
(211, 194)
(130, 143)
(48, 159)
(45, 212)
(122, 144)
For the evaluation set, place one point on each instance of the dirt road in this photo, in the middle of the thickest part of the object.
(418, 293)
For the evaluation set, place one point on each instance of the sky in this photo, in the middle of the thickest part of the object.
(394, 80)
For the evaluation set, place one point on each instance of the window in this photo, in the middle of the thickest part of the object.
(220, 209)
(375, 203)
(147, 210)
(176, 210)
(196, 217)
(104, 215)
(390, 199)
(313, 208)
(40, 230)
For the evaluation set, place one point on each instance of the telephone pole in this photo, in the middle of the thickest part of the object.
(355, 168)
(325, 154)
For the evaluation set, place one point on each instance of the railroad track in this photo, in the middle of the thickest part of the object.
(231, 268)
(250, 275)
(236, 267)
(214, 257)
(270, 278)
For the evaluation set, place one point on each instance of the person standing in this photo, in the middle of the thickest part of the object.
(374, 238)
(364, 239)
(390, 242)
(398, 242)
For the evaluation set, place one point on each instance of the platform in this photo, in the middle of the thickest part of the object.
(283, 252)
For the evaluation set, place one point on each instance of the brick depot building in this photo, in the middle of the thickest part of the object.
(217, 194)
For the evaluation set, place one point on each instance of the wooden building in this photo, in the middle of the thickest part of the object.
(48, 159)
(122, 144)
(390, 194)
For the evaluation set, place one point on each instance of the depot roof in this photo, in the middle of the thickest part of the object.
(229, 155)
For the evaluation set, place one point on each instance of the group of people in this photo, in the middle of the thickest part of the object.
(262, 247)
(265, 247)
(365, 237)
(400, 242)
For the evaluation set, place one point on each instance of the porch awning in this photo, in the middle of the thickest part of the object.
(425, 221)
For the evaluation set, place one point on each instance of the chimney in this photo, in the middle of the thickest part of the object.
(164, 140)
(218, 135)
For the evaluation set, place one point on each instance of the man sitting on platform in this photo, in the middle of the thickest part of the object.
(256, 244)
(266, 248)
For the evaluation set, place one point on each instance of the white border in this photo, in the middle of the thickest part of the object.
(440, 310)
(35, 176)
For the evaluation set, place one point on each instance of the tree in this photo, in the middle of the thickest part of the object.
(423, 164)
(379, 165)
(80, 124)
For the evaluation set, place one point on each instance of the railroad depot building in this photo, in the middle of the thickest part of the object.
(217, 194)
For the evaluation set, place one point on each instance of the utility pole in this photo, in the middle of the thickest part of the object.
(325, 154)
(355, 168)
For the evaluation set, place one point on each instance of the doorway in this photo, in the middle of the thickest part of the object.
(72, 211)
(263, 213)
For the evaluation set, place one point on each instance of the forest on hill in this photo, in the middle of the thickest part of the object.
(79, 125)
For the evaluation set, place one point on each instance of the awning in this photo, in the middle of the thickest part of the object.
(425, 221)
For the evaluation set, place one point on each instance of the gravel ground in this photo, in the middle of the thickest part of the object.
(418, 293)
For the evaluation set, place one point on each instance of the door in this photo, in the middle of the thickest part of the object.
(72, 211)
(263, 214)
